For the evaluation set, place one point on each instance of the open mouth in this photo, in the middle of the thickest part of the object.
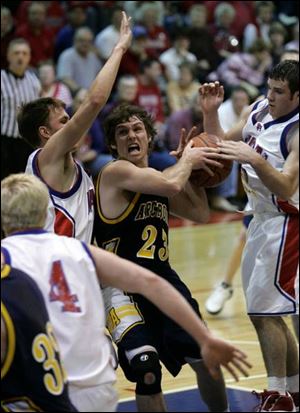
(134, 148)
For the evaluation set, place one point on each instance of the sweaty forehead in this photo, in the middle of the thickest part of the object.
(278, 83)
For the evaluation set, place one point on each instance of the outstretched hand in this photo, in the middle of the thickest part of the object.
(184, 139)
(211, 96)
(125, 33)
(217, 352)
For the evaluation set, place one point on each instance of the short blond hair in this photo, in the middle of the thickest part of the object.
(24, 202)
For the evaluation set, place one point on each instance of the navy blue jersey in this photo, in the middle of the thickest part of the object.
(139, 234)
(32, 377)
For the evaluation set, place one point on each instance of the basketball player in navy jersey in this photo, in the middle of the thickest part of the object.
(266, 143)
(32, 376)
(133, 205)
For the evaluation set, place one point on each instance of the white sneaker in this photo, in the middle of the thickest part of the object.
(222, 204)
(216, 301)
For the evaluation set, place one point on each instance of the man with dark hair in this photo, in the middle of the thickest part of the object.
(266, 143)
(18, 86)
(134, 199)
(46, 125)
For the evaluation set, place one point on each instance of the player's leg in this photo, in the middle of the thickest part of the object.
(213, 392)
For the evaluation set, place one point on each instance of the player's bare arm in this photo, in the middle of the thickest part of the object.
(124, 175)
(282, 184)
(127, 276)
(64, 140)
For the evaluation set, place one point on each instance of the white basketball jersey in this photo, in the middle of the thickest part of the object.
(70, 213)
(65, 273)
(269, 138)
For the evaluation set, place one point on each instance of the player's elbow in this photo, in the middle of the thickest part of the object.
(172, 189)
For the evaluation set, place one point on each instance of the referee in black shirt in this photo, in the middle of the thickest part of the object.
(18, 86)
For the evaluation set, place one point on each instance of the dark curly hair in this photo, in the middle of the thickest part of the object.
(121, 114)
(287, 70)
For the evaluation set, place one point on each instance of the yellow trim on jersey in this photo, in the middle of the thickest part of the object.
(5, 271)
(123, 215)
(30, 405)
(11, 341)
(128, 329)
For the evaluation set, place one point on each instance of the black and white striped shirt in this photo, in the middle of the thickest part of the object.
(15, 91)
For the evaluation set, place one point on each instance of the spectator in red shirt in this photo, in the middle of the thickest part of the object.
(55, 15)
(157, 40)
(37, 34)
(149, 93)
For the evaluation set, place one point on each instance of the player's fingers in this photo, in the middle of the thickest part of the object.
(208, 170)
(231, 371)
(214, 163)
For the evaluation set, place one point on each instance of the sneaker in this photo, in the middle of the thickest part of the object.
(295, 397)
(272, 401)
(216, 301)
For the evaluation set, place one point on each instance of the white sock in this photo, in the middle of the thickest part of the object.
(292, 383)
(276, 384)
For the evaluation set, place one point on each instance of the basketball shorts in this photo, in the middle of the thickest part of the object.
(172, 343)
(103, 398)
(270, 265)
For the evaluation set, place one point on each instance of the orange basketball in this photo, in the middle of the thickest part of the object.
(200, 177)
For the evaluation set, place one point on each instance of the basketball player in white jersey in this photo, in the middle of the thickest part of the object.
(266, 143)
(68, 273)
(44, 124)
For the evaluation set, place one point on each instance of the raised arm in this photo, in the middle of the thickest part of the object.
(117, 272)
(64, 140)
(211, 97)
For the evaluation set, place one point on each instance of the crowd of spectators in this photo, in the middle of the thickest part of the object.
(176, 46)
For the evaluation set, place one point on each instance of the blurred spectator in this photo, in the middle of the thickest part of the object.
(229, 114)
(244, 14)
(79, 65)
(245, 69)
(180, 93)
(106, 40)
(185, 118)
(174, 17)
(55, 14)
(264, 11)
(179, 53)
(157, 37)
(201, 41)
(224, 40)
(7, 34)
(52, 87)
(76, 16)
(294, 44)
(277, 37)
(37, 34)
(18, 86)
(91, 147)
(136, 54)
(135, 9)
(149, 94)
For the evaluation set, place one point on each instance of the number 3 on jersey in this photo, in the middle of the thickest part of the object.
(60, 290)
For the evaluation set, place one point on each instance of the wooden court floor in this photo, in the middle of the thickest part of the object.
(200, 255)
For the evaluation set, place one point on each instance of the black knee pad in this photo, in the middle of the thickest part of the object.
(147, 371)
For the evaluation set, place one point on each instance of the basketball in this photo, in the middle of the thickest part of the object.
(202, 178)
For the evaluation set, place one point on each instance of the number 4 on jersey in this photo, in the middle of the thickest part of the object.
(60, 290)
